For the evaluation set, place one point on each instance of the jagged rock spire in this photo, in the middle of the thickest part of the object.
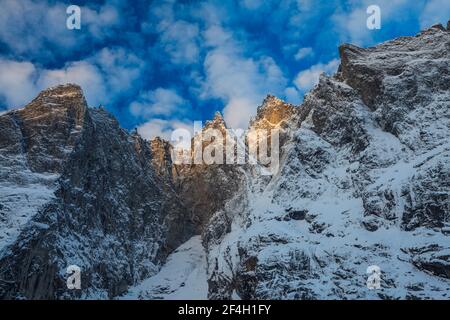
(217, 122)
(67, 97)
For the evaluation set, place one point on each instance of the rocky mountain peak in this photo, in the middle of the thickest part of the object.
(272, 112)
(47, 128)
(162, 157)
(383, 122)
(61, 90)
(370, 70)
(364, 160)
(271, 99)
(216, 123)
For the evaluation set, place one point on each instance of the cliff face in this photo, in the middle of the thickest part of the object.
(363, 180)
(109, 213)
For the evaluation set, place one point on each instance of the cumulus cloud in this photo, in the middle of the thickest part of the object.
(352, 26)
(163, 128)
(252, 4)
(100, 22)
(176, 37)
(303, 53)
(17, 82)
(105, 72)
(21, 81)
(33, 28)
(104, 76)
(35, 24)
(158, 102)
(119, 67)
(306, 79)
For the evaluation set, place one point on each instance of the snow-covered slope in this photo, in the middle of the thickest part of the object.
(364, 181)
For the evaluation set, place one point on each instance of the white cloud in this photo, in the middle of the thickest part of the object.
(306, 79)
(27, 25)
(103, 77)
(21, 81)
(100, 22)
(179, 40)
(158, 102)
(33, 27)
(239, 110)
(239, 81)
(303, 53)
(351, 24)
(252, 4)
(16, 82)
(435, 11)
(216, 36)
(163, 128)
(119, 67)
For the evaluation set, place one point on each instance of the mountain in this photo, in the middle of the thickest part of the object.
(363, 181)
(79, 190)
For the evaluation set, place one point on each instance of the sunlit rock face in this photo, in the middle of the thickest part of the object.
(204, 187)
(363, 181)
(96, 202)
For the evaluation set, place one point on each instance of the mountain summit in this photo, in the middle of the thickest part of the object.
(363, 185)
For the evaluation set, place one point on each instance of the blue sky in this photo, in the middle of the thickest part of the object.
(157, 65)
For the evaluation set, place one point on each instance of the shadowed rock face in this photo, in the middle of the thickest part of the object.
(110, 214)
(205, 188)
(273, 113)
